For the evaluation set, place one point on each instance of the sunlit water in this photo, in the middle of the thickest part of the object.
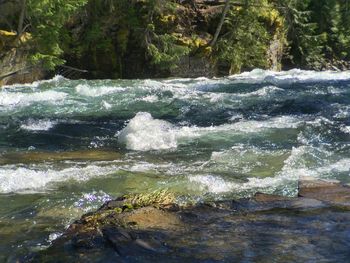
(67, 146)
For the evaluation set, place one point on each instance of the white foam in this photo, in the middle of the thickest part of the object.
(89, 91)
(21, 179)
(152, 83)
(313, 162)
(217, 185)
(345, 129)
(24, 99)
(342, 111)
(320, 121)
(208, 84)
(53, 236)
(38, 125)
(334, 90)
(215, 97)
(106, 105)
(237, 116)
(210, 183)
(150, 98)
(291, 76)
(296, 165)
(243, 159)
(35, 84)
(342, 165)
(244, 126)
(143, 133)
(264, 91)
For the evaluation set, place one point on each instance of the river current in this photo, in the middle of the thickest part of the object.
(67, 146)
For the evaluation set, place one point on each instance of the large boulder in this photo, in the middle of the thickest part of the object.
(154, 228)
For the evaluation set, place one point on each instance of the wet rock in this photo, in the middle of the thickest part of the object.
(306, 204)
(258, 229)
(261, 197)
(151, 217)
(129, 242)
(88, 240)
(330, 191)
(265, 202)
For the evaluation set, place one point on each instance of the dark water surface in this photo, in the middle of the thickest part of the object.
(67, 146)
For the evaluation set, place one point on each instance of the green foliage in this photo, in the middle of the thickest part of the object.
(163, 49)
(244, 44)
(318, 31)
(47, 17)
(333, 20)
(103, 34)
(166, 51)
(306, 44)
(102, 38)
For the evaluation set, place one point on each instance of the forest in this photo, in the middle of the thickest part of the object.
(159, 38)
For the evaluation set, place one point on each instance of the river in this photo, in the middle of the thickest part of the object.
(67, 146)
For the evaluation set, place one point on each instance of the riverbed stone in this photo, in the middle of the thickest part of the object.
(250, 230)
(330, 191)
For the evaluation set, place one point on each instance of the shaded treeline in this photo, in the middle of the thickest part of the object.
(151, 38)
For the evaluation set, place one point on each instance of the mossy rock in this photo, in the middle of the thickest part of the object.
(160, 198)
(122, 210)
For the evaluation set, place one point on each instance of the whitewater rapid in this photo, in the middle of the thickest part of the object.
(68, 146)
(256, 131)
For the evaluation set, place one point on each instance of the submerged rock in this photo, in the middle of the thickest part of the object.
(34, 157)
(153, 228)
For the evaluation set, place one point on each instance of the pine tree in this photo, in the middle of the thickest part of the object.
(306, 44)
(47, 18)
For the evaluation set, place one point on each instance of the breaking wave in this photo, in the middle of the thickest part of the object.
(281, 182)
(144, 133)
(38, 125)
(290, 77)
(89, 91)
(29, 179)
(24, 99)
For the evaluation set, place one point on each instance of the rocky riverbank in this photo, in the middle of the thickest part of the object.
(155, 228)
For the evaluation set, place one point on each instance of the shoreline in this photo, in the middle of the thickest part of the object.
(23, 80)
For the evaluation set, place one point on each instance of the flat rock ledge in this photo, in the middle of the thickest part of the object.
(313, 227)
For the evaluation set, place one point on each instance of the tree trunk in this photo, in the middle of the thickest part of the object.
(21, 18)
(222, 20)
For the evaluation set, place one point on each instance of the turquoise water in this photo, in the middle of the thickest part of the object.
(67, 146)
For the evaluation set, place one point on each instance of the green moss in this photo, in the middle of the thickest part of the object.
(161, 197)
(128, 204)
(118, 210)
